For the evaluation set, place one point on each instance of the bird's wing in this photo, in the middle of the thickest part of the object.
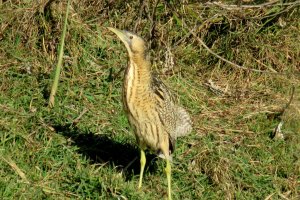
(175, 118)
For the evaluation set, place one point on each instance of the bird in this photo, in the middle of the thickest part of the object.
(152, 111)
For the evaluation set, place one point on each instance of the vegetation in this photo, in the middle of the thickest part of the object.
(83, 147)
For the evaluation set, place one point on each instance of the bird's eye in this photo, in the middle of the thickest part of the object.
(130, 37)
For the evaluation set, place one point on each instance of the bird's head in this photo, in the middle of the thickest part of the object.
(134, 44)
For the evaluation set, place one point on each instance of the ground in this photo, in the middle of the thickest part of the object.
(83, 147)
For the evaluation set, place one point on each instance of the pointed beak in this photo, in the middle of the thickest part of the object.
(121, 34)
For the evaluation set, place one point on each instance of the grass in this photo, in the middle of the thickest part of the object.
(82, 148)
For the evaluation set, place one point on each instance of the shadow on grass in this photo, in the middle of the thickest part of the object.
(101, 149)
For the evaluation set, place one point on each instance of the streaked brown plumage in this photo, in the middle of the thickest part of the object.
(156, 119)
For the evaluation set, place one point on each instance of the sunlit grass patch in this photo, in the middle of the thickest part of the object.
(83, 148)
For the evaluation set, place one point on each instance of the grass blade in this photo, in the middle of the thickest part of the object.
(59, 63)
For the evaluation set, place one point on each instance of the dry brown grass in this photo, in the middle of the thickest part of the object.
(231, 154)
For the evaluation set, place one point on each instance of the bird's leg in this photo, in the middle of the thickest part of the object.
(143, 163)
(168, 172)
(165, 150)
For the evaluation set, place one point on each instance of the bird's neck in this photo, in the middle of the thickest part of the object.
(137, 81)
(139, 70)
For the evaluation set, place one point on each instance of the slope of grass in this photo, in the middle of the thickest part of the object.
(84, 148)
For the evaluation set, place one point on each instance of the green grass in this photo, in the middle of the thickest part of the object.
(231, 154)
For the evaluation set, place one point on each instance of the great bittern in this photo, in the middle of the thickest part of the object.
(150, 107)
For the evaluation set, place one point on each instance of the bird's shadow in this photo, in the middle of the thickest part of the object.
(101, 149)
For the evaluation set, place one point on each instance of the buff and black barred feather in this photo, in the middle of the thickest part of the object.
(156, 118)
(152, 111)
